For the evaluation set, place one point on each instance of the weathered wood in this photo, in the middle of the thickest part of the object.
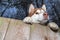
(4, 23)
(11, 29)
(38, 32)
(18, 31)
(51, 35)
(41, 32)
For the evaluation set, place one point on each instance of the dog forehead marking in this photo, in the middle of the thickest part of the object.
(38, 11)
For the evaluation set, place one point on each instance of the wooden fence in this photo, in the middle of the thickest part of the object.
(11, 29)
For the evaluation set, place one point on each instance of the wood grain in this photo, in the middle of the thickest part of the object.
(11, 29)
(4, 23)
(38, 32)
(18, 31)
(42, 32)
(51, 35)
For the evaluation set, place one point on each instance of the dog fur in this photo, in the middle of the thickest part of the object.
(39, 15)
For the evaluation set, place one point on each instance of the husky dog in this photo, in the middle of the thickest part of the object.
(39, 15)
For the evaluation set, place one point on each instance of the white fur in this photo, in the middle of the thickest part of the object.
(38, 11)
(44, 7)
(39, 18)
(53, 25)
(30, 20)
(36, 18)
(27, 20)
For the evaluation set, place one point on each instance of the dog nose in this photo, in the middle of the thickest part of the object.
(45, 15)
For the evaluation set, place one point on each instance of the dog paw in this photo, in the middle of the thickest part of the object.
(53, 26)
(27, 20)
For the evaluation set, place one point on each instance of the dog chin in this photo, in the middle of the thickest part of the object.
(43, 21)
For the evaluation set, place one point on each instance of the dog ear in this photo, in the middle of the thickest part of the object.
(31, 8)
(44, 7)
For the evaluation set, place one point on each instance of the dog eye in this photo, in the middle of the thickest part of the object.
(36, 13)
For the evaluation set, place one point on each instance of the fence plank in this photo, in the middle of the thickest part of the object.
(4, 22)
(11, 29)
(18, 31)
(41, 32)
(38, 32)
(51, 35)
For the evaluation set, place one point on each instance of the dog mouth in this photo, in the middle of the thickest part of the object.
(43, 21)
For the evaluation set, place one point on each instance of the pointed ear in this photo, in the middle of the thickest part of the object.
(31, 8)
(44, 7)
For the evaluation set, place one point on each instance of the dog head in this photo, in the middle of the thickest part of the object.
(38, 14)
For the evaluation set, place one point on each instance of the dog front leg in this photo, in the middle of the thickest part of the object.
(53, 26)
(27, 20)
